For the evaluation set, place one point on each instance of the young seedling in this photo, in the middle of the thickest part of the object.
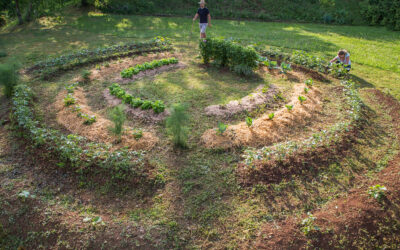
(377, 192)
(137, 134)
(306, 90)
(221, 128)
(69, 100)
(86, 76)
(249, 121)
(271, 116)
(118, 117)
(309, 82)
(289, 107)
(302, 99)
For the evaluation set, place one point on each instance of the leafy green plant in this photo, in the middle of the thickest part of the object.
(69, 100)
(146, 105)
(249, 121)
(289, 107)
(302, 99)
(309, 82)
(8, 78)
(339, 70)
(377, 192)
(137, 134)
(271, 116)
(279, 97)
(308, 224)
(271, 64)
(158, 106)
(306, 90)
(285, 67)
(98, 67)
(177, 125)
(88, 119)
(221, 128)
(118, 117)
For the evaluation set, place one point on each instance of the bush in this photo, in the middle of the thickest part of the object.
(8, 78)
(177, 125)
(383, 12)
(118, 117)
(225, 53)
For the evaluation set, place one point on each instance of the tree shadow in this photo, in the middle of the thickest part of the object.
(361, 83)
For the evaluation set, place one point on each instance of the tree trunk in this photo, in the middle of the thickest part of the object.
(20, 20)
(29, 13)
(84, 3)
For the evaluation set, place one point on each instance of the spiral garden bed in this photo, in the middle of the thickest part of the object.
(282, 122)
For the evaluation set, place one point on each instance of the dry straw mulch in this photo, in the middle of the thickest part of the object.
(98, 131)
(265, 131)
(247, 103)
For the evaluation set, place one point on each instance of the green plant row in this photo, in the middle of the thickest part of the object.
(226, 53)
(304, 59)
(325, 138)
(128, 73)
(51, 66)
(70, 100)
(157, 106)
(86, 158)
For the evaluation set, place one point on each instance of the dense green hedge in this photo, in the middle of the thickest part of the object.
(226, 53)
(86, 158)
(382, 12)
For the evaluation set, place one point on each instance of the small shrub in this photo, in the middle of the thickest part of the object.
(118, 117)
(69, 100)
(377, 192)
(177, 125)
(271, 116)
(8, 78)
(158, 106)
(289, 107)
(146, 105)
(302, 99)
(86, 76)
(309, 82)
(249, 121)
(221, 128)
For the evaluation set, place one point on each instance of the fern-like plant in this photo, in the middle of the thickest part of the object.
(177, 125)
(118, 117)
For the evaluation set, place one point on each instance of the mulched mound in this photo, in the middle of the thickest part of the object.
(265, 131)
(98, 131)
(247, 103)
(354, 221)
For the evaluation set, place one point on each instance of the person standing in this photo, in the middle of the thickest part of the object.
(205, 18)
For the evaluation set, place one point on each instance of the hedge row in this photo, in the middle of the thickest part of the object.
(86, 158)
(128, 73)
(157, 106)
(51, 66)
(226, 53)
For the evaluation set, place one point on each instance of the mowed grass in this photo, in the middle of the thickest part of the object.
(375, 51)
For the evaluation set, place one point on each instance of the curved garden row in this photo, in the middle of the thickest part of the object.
(85, 158)
(51, 67)
(274, 163)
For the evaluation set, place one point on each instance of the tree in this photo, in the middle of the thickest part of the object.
(20, 20)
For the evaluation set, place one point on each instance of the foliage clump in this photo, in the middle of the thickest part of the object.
(177, 125)
(128, 73)
(8, 78)
(226, 53)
